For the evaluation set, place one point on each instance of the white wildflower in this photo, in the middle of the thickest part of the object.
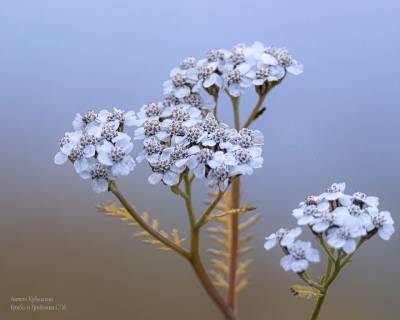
(382, 221)
(285, 238)
(300, 255)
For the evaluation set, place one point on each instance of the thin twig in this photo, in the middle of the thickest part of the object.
(136, 216)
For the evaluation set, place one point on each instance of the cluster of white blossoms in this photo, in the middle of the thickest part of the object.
(180, 137)
(340, 219)
(98, 148)
(182, 133)
(232, 70)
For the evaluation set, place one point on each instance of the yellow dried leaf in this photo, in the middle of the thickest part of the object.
(242, 267)
(111, 209)
(219, 280)
(221, 241)
(218, 253)
(220, 266)
(241, 285)
(305, 292)
(249, 222)
(245, 240)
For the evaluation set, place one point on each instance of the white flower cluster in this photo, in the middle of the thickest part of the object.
(234, 70)
(98, 148)
(182, 137)
(181, 132)
(339, 218)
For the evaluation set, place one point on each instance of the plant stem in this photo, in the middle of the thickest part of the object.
(256, 109)
(205, 280)
(208, 211)
(326, 248)
(234, 221)
(195, 258)
(188, 200)
(318, 306)
(136, 216)
(215, 97)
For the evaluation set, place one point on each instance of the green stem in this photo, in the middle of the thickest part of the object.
(204, 217)
(188, 200)
(136, 216)
(326, 248)
(256, 109)
(318, 306)
(205, 280)
(236, 116)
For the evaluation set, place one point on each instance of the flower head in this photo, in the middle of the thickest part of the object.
(98, 149)
(284, 237)
(300, 254)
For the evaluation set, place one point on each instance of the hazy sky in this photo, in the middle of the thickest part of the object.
(336, 122)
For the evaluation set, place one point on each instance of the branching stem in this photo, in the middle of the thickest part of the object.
(333, 269)
(136, 216)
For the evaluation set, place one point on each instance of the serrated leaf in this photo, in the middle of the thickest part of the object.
(242, 267)
(305, 292)
(218, 253)
(110, 209)
(219, 280)
(245, 240)
(220, 241)
(249, 222)
(241, 285)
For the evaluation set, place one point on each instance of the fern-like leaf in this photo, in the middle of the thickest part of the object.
(110, 209)
(219, 233)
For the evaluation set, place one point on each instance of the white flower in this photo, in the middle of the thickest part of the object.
(181, 83)
(195, 99)
(248, 138)
(237, 78)
(266, 73)
(307, 214)
(166, 171)
(207, 74)
(99, 175)
(287, 61)
(362, 215)
(194, 134)
(150, 128)
(247, 159)
(382, 221)
(188, 63)
(81, 121)
(344, 235)
(220, 158)
(152, 111)
(300, 254)
(124, 118)
(219, 56)
(361, 199)
(152, 147)
(284, 237)
(72, 149)
(260, 53)
(179, 154)
(116, 156)
(197, 162)
(334, 192)
(218, 176)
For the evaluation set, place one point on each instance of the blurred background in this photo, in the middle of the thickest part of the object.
(336, 122)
